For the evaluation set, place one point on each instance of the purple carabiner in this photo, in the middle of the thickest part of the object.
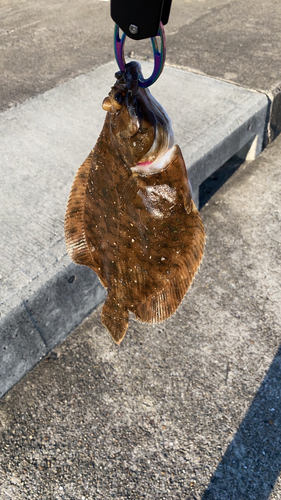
(159, 56)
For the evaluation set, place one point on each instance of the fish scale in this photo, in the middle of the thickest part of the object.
(130, 215)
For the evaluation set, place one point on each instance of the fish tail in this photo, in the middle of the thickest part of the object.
(115, 318)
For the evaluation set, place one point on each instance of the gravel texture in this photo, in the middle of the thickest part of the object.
(187, 409)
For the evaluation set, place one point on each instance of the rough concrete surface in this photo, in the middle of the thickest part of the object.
(187, 409)
(44, 319)
(44, 140)
(47, 43)
(42, 143)
(237, 41)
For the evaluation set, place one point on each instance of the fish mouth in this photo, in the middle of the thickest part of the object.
(160, 153)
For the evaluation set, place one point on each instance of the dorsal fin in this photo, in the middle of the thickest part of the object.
(75, 235)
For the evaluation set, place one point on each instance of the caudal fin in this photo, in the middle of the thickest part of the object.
(115, 318)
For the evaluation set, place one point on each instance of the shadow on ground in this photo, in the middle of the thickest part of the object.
(252, 462)
(211, 185)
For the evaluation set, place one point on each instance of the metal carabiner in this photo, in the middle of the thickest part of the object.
(159, 56)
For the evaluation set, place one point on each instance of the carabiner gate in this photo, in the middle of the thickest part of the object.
(159, 56)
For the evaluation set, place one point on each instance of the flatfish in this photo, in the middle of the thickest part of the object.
(130, 216)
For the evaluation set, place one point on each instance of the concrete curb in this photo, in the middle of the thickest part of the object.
(31, 330)
(44, 303)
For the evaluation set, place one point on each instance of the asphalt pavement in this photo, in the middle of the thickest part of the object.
(189, 408)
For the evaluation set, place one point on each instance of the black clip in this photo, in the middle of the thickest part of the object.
(140, 19)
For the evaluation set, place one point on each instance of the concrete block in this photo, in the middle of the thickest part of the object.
(42, 143)
(44, 319)
(21, 347)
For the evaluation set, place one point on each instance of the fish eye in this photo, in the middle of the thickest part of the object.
(119, 97)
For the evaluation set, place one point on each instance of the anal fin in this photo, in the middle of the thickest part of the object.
(160, 306)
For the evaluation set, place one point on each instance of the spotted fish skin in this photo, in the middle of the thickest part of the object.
(133, 221)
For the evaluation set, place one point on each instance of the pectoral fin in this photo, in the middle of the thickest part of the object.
(130, 191)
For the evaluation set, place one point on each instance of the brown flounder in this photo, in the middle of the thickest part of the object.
(130, 216)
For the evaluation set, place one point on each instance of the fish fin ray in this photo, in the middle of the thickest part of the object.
(75, 234)
(162, 305)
